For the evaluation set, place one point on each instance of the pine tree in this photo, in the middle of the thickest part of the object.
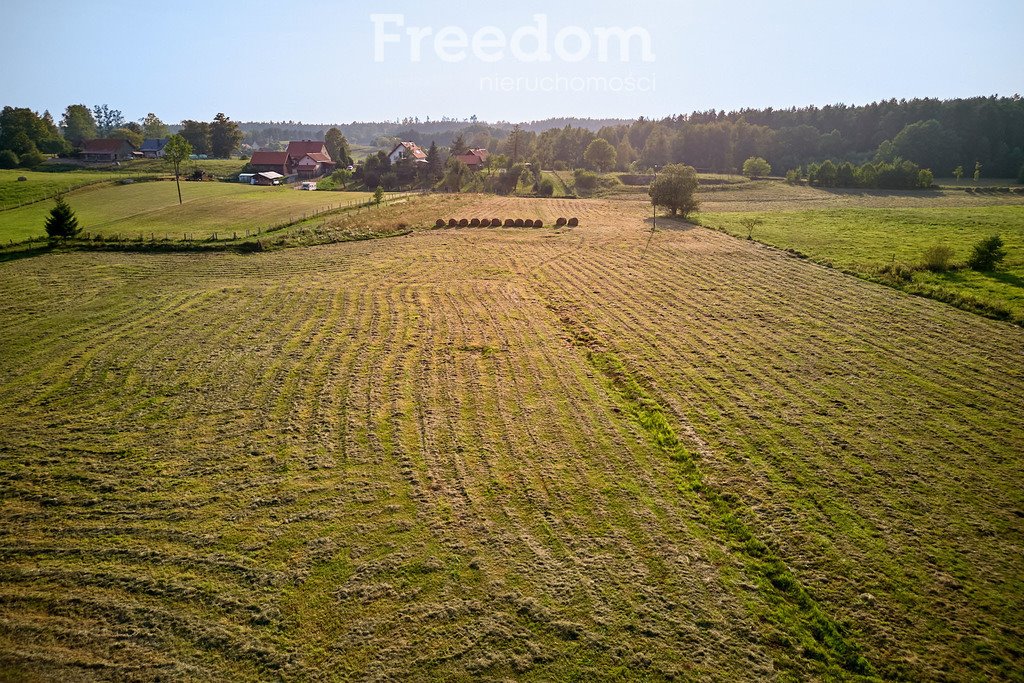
(62, 222)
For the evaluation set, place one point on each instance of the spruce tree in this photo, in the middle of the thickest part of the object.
(62, 222)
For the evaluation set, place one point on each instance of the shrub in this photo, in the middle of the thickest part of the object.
(897, 273)
(756, 166)
(31, 159)
(518, 223)
(573, 222)
(586, 181)
(560, 222)
(463, 222)
(793, 176)
(474, 223)
(439, 223)
(937, 258)
(987, 254)
(452, 223)
(509, 223)
(8, 159)
(925, 178)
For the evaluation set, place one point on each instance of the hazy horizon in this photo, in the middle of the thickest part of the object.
(325, 62)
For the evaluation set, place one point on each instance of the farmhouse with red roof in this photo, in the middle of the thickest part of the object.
(269, 161)
(474, 158)
(314, 164)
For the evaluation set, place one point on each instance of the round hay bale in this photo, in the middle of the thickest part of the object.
(463, 222)
(573, 222)
(538, 223)
(495, 222)
(560, 222)
(439, 223)
(474, 223)
(518, 222)
(528, 223)
(509, 223)
(452, 223)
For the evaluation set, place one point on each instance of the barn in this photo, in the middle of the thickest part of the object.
(270, 161)
(107, 149)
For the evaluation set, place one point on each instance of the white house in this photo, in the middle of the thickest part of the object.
(407, 150)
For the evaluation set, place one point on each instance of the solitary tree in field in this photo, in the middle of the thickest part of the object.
(62, 223)
(750, 224)
(176, 151)
(958, 173)
(676, 189)
(756, 166)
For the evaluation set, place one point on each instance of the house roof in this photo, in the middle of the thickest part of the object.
(320, 158)
(153, 144)
(412, 148)
(270, 175)
(105, 145)
(269, 158)
(299, 148)
(473, 156)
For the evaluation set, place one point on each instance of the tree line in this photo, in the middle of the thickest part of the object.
(27, 136)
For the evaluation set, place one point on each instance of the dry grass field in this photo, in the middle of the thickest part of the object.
(503, 453)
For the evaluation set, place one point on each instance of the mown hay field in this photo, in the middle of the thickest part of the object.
(492, 453)
(151, 209)
(869, 240)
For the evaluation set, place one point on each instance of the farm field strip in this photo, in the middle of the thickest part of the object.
(398, 456)
(151, 208)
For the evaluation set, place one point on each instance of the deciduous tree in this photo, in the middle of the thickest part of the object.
(78, 124)
(225, 136)
(600, 155)
(177, 150)
(756, 166)
(153, 127)
(676, 189)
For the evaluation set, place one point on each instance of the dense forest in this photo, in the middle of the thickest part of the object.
(936, 134)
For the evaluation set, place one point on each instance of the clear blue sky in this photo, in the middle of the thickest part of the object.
(314, 60)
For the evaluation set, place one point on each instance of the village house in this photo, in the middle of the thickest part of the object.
(305, 158)
(474, 158)
(314, 164)
(407, 150)
(270, 161)
(107, 149)
(297, 149)
(153, 148)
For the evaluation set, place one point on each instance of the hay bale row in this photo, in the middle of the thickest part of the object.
(489, 223)
(572, 222)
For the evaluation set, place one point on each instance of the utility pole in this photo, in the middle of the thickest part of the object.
(654, 218)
